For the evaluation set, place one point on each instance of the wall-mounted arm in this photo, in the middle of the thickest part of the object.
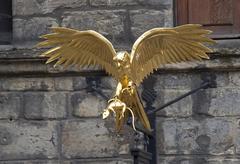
(204, 85)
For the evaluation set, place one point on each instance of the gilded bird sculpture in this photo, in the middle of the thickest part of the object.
(151, 50)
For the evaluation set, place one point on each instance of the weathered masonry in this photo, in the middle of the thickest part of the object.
(51, 116)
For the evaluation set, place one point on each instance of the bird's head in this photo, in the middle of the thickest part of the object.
(122, 58)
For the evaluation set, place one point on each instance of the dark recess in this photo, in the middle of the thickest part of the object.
(5, 22)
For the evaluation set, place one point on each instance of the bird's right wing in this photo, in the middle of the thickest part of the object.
(161, 46)
(79, 48)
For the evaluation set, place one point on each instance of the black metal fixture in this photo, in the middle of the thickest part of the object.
(147, 154)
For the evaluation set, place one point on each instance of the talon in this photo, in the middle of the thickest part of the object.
(116, 104)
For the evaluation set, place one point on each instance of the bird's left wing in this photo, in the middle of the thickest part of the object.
(79, 48)
(167, 45)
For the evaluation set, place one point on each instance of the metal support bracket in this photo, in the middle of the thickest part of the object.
(142, 156)
(204, 85)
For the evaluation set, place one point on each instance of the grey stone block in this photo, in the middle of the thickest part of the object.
(214, 136)
(79, 83)
(181, 160)
(224, 161)
(182, 81)
(31, 29)
(36, 162)
(143, 20)
(196, 160)
(224, 102)
(39, 105)
(106, 22)
(156, 2)
(182, 108)
(109, 83)
(105, 82)
(190, 80)
(227, 46)
(222, 79)
(221, 63)
(30, 7)
(234, 78)
(85, 104)
(237, 138)
(25, 7)
(21, 66)
(88, 139)
(10, 105)
(113, 3)
(26, 84)
(63, 83)
(103, 161)
(28, 140)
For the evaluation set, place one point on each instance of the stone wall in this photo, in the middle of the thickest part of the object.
(53, 116)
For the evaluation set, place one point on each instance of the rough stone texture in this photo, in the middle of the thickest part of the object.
(143, 20)
(31, 29)
(225, 102)
(10, 105)
(88, 138)
(109, 83)
(197, 160)
(35, 162)
(28, 140)
(26, 84)
(113, 2)
(63, 83)
(189, 80)
(117, 161)
(82, 104)
(228, 46)
(45, 105)
(79, 83)
(120, 3)
(30, 7)
(182, 108)
(156, 2)
(234, 79)
(104, 21)
(154, 18)
(173, 81)
(197, 136)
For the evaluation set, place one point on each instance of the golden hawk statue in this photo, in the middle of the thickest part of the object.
(152, 49)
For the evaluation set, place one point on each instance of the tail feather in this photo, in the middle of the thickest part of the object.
(140, 113)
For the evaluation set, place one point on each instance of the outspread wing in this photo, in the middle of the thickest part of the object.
(79, 48)
(167, 45)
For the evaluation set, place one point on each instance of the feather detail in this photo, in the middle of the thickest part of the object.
(79, 48)
(161, 46)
